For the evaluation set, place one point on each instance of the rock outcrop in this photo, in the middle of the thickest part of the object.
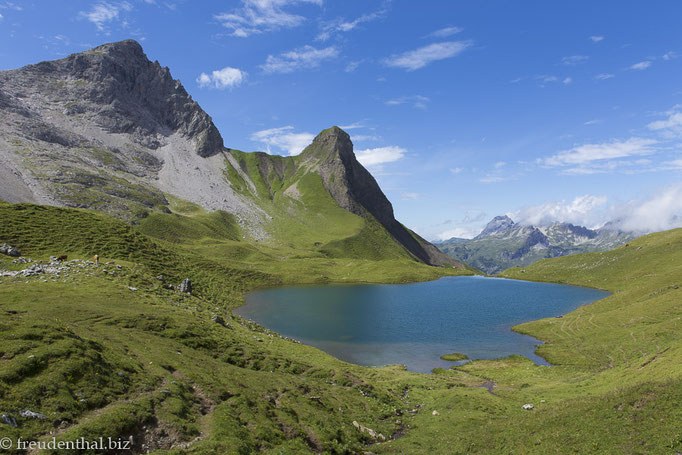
(354, 189)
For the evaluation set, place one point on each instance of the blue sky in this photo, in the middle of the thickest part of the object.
(462, 110)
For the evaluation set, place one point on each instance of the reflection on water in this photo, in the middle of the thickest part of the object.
(414, 324)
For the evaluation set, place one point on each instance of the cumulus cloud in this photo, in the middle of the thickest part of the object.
(671, 127)
(227, 77)
(419, 58)
(283, 138)
(596, 38)
(104, 12)
(580, 211)
(258, 16)
(380, 155)
(641, 65)
(588, 153)
(305, 57)
(659, 212)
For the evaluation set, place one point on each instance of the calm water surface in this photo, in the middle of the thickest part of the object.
(414, 324)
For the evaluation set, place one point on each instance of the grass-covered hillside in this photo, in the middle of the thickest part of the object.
(113, 351)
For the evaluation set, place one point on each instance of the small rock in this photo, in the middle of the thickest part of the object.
(219, 320)
(32, 415)
(527, 406)
(132, 288)
(435, 413)
(9, 420)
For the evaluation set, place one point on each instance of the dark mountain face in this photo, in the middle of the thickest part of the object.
(355, 190)
(503, 244)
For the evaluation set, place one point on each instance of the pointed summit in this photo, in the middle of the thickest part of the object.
(497, 224)
(329, 144)
(355, 190)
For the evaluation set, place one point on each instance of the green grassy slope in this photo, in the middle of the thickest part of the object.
(98, 358)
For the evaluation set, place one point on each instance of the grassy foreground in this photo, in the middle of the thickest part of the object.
(117, 353)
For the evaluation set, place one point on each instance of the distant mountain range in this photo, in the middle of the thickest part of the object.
(503, 243)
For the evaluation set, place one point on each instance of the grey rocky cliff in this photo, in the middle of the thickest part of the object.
(110, 130)
(120, 90)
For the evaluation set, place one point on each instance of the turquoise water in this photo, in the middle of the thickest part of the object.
(414, 324)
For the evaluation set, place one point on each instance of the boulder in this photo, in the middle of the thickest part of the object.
(185, 286)
(9, 250)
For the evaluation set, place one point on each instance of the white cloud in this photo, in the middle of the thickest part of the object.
(670, 127)
(669, 55)
(588, 153)
(604, 76)
(641, 65)
(352, 126)
(305, 57)
(342, 26)
(417, 101)
(593, 122)
(445, 32)
(380, 155)
(456, 170)
(596, 38)
(258, 16)
(408, 196)
(659, 212)
(221, 79)
(567, 80)
(352, 66)
(419, 58)
(284, 139)
(499, 164)
(580, 211)
(574, 60)
(104, 12)
(1, 17)
(11, 5)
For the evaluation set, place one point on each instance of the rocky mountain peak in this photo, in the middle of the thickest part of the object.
(117, 87)
(330, 144)
(497, 224)
(354, 189)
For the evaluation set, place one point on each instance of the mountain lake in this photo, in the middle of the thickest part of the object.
(414, 324)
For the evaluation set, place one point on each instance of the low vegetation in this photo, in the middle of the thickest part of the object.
(113, 351)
